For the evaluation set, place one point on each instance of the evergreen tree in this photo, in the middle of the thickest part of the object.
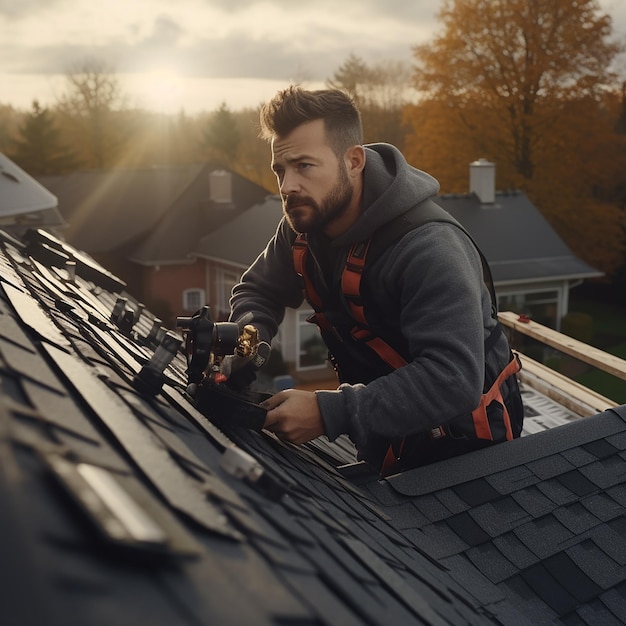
(380, 91)
(221, 138)
(354, 76)
(39, 149)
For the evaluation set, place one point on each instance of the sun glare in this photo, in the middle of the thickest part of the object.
(160, 89)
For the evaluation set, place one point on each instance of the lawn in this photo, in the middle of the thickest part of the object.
(609, 334)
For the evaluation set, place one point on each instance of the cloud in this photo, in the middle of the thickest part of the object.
(269, 39)
(362, 9)
(17, 9)
(166, 31)
(305, 49)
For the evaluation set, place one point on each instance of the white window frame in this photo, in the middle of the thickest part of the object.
(554, 294)
(226, 280)
(190, 296)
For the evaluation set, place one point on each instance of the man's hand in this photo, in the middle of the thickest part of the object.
(294, 415)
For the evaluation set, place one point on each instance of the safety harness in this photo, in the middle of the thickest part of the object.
(352, 274)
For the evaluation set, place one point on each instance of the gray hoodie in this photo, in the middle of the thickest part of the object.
(427, 289)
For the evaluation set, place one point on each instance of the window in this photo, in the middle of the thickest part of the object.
(193, 299)
(541, 306)
(312, 351)
(226, 280)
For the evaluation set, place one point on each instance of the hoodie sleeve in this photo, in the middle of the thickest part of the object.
(268, 286)
(433, 280)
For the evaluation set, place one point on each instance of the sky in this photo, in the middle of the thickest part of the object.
(193, 55)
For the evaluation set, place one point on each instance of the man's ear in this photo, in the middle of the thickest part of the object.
(355, 160)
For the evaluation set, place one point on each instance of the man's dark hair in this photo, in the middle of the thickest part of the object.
(295, 106)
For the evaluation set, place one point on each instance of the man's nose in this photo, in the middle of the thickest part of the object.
(289, 184)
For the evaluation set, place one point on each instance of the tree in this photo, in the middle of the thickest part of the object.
(380, 92)
(39, 149)
(354, 77)
(620, 125)
(10, 120)
(254, 155)
(93, 106)
(515, 56)
(524, 83)
(221, 139)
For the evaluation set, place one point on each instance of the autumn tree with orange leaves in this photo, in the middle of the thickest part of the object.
(526, 84)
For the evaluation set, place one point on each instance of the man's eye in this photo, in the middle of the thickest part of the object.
(304, 166)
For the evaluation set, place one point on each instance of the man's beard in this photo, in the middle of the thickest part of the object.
(317, 216)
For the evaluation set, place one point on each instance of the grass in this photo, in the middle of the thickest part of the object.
(609, 334)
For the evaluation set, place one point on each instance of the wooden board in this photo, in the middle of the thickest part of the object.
(577, 349)
(570, 394)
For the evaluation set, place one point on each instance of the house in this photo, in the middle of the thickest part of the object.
(171, 272)
(181, 237)
(127, 504)
(142, 224)
(532, 267)
(108, 211)
(230, 250)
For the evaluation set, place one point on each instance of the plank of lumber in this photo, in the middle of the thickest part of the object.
(577, 349)
(570, 394)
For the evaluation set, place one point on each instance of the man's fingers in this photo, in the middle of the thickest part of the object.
(271, 421)
(272, 418)
(273, 401)
(293, 416)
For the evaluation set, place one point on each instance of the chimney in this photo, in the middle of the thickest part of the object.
(220, 187)
(483, 180)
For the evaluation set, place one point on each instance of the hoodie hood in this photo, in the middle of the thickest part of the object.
(390, 188)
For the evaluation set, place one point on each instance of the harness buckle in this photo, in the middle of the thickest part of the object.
(438, 432)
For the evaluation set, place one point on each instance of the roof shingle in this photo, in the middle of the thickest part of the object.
(117, 507)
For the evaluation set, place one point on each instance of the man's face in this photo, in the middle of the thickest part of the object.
(313, 182)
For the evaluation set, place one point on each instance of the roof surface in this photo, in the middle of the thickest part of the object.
(118, 507)
(516, 239)
(193, 216)
(251, 231)
(107, 209)
(160, 215)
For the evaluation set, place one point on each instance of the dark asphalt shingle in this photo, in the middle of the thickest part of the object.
(529, 532)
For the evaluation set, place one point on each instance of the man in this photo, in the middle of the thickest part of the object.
(424, 300)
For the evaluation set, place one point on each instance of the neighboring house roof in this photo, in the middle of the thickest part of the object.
(24, 201)
(118, 506)
(518, 242)
(164, 215)
(108, 209)
(516, 239)
(192, 216)
(111, 209)
(153, 215)
(244, 238)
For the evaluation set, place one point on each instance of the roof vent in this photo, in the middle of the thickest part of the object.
(483, 180)
(221, 187)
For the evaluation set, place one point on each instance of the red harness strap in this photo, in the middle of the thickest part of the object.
(479, 414)
(300, 252)
(351, 289)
